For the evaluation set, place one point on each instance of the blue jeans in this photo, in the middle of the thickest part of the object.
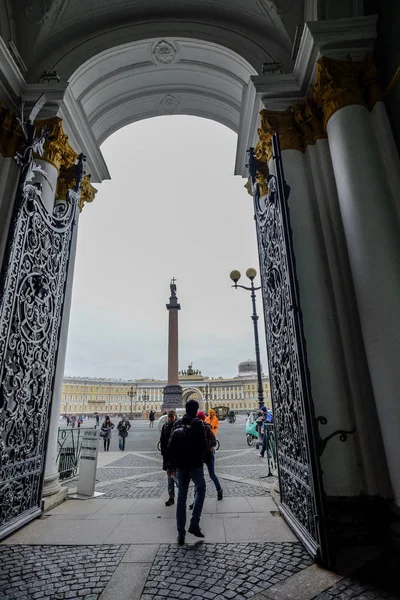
(171, 486)
(121, 442)
(183, 477)
(211, 472)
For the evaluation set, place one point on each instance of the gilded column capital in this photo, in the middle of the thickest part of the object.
(373, 88)
(339, 83)
(57, 150)
(309, 119)
(67, 180)
(10, 132)
(88, 192)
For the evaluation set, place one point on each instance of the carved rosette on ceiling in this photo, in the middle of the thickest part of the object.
(164, 53)
(57, 150)
(169, 105)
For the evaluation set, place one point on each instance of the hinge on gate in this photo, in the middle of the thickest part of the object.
(322, 442)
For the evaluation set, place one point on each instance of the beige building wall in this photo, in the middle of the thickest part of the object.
(86, 396)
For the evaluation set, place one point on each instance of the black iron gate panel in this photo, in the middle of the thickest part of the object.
(298, 463)
(32, 287)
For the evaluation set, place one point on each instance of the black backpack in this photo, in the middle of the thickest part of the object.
(181, 444)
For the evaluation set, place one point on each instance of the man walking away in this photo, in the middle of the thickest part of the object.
(97, 420)
(164, 439)
(187, 445)
(151, 418)
(123, 428)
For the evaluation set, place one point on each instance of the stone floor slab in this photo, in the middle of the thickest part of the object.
(257, 528)
(142, 529)
(78, 507)
(304, 585)
(141, 553)
(232, 505)
(127, 582)
(116, 506)
(65, 531)
(261, 503)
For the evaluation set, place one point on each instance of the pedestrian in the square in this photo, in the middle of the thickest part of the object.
(97, 420)
(209, 457)
(213, 420)
(164, 439)
(187, 445)
(152, 416)
(105, 433)
(123, 428)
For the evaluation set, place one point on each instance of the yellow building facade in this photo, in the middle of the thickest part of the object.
(88, 396)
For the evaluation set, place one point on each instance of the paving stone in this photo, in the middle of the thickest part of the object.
(40, 572)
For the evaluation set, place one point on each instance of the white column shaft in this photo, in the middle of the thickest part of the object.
(51, 479)
(373, 242)
(355, 367)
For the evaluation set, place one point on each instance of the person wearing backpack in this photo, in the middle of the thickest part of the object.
(187, 446)
(123, 428)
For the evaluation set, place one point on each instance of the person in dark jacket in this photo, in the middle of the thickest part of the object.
(106, 430)
(164, 439)
(152, 416)
(123, 428)
(187, 446)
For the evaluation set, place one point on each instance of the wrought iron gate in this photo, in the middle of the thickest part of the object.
(32, 288)
(298, 462)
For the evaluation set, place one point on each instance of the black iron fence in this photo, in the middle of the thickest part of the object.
(69, 445)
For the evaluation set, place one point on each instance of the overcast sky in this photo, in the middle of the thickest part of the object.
(173, 208)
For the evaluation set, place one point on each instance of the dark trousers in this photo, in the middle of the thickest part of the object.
(106, 444)
(122, 442)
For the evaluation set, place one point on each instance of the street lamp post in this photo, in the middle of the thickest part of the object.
(131, 393)
(251, 274)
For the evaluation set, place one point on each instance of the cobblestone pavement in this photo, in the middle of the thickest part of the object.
(57, 572)
(221, 571)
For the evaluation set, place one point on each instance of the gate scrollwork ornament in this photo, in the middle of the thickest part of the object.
(32, 284)
(300, 483)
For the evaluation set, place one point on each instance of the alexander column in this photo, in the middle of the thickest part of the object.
(172, 391)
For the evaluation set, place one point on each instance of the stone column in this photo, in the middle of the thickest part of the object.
(52, 491)
(172, 391)
(372, 233)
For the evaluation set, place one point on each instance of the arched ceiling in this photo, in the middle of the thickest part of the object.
(63, 34)
(160, 77)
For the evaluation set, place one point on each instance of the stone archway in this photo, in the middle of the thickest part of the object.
(195, 394)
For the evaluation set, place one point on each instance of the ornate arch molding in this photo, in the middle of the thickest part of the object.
(254, 43)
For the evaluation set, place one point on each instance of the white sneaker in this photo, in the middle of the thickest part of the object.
(260, 455)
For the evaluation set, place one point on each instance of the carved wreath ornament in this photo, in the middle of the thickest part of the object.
(164, 53)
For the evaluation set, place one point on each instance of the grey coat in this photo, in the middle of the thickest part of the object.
(107, 428)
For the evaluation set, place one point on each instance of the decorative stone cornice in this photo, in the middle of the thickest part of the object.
(57, 150)
(10, 133)
(339, 83)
